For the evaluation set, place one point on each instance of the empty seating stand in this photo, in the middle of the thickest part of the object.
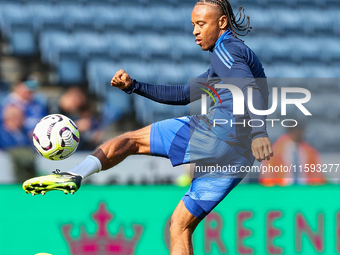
(86, 41)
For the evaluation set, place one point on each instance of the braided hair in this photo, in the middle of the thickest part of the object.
(237, 23)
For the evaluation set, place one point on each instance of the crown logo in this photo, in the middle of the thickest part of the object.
(102, 242)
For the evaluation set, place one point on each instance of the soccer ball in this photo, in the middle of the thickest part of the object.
(56, 137)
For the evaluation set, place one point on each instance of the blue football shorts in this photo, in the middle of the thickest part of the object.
(217, 155)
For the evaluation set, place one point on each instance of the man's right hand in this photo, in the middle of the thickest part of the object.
(262, 148)
(121, 80)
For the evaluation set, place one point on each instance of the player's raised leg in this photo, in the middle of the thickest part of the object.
(116, 150)
(182, 226)
(104, 157)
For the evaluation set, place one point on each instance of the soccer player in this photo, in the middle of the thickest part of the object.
(191, 139)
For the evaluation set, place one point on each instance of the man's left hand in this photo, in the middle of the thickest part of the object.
(262, 148)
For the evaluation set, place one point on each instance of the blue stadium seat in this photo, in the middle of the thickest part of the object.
(62, 52)
(153, 46)
(304, 3)
(17, 28)
(319, 71)
(70, 68)
(332, 3)
(184, 14)
(330, 48)
(13, 15)
(262, 20)
(148, 111)
(184, 47)
(109, 17)
(169, 73)
(99, 75)
(78, 17)
(158, 2)
(117, 103)
(92, 45)
(139, 19)
(46, 16)
(250, 3)
(123, 46)
(165, 18)
(289, 25)
(302, 51)
(56, 2)
(256, 43)
(22, 41)
(189, 3)
(194, 69)
(140, 71)
(319, 21)
(285, 70)
(53, 43)
(45, 41)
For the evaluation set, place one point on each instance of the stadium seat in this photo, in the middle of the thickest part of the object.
(117, 103)
(256, 43)
(148, 111)
(123, 46)
(91, 45)
(53, 43)
(183, 47)
(319, 21)
(304, 3)
(289, 25)
(317, 71)
(46, 16)
(165, 19)
(332, 3)
(153, 46)
(99, 75)
(285, 70)
(305, 52)
(13, 15)
(330, 50)
(247, 3)
(140, 19)
(169, 73)
(140, 71)
(108, 18)
(70, 68)
(78, 17)
(262, 20)
(45, 40)
(194, 69)
(184, 14)
(17, 29)
(158, 2)
(22, 41)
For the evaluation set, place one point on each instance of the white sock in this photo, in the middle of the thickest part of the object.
(89, 166)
